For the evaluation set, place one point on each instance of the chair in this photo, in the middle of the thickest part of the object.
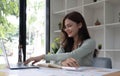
(103, 62)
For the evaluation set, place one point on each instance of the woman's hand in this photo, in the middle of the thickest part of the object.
(34, 59)
(70, 62)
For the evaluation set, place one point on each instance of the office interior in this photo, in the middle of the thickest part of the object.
(102, 18)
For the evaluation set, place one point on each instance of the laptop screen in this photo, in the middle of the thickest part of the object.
(14, 66)
(4, 52)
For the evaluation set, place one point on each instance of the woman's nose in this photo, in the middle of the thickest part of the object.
(66, 29)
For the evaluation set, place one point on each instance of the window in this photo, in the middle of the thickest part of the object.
(9, 28)
(36, 26)
(34, 33)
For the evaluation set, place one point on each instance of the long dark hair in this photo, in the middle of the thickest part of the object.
(83, 34)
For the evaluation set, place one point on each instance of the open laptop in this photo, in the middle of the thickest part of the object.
(14, 66)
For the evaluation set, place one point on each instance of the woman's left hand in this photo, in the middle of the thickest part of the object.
(70, 62)
(34, 59)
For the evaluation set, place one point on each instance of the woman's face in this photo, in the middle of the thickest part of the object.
(72, 28)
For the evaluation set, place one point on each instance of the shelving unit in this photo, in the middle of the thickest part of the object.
(107, 33)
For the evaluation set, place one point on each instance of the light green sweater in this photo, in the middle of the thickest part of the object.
(83, 54)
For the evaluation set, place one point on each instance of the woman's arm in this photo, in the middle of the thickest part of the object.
(70, 62)
(87, 47)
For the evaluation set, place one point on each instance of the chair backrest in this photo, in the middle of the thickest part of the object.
(103, 62)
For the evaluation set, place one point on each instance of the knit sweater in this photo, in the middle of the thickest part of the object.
(83, 54)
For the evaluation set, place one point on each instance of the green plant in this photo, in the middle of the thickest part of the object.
(100, 46)
(60, 25)
(55, 45)
(0, 52)
(8, 9)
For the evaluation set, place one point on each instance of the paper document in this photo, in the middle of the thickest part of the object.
(81, 69)
(63, 67)
(94, 70)
(50, 65)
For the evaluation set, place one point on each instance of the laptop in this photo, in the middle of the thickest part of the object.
(14, 66)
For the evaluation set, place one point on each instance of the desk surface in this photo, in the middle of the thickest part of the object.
(43, 71)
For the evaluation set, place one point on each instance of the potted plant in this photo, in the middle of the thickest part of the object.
(99, 46)
(94, 0)
(97, 22)
(55, 45)
(60, 25)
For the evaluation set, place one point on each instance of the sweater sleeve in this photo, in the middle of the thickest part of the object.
(87, 47)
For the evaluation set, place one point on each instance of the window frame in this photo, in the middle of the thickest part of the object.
(22, 26)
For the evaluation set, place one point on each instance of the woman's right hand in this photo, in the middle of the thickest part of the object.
(70, 62)
(34, 59)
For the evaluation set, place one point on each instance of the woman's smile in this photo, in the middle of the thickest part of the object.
(71, 28)
(69, 33)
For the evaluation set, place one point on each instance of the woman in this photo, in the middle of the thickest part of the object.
(77, 47)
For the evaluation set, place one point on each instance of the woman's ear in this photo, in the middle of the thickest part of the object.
(80, 25)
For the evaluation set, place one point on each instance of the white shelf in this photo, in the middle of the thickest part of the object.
(96, 27)
(57, 31)
(62, 12)
(79, 9)
(112, 50)
(94, 12)
(115, 2)
(112, 9)
(58, 4)
(107, 33)
(113, 25)
(90, 2)
(73, 3)
(109, 50)
(74, 8)
(97, 4)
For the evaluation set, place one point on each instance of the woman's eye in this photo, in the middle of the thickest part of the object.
(69, 25)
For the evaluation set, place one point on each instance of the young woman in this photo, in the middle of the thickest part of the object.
(77, 47)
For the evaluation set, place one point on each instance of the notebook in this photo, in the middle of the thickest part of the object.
(14, 66)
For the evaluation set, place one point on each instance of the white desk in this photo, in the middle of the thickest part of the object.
(54, 72)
